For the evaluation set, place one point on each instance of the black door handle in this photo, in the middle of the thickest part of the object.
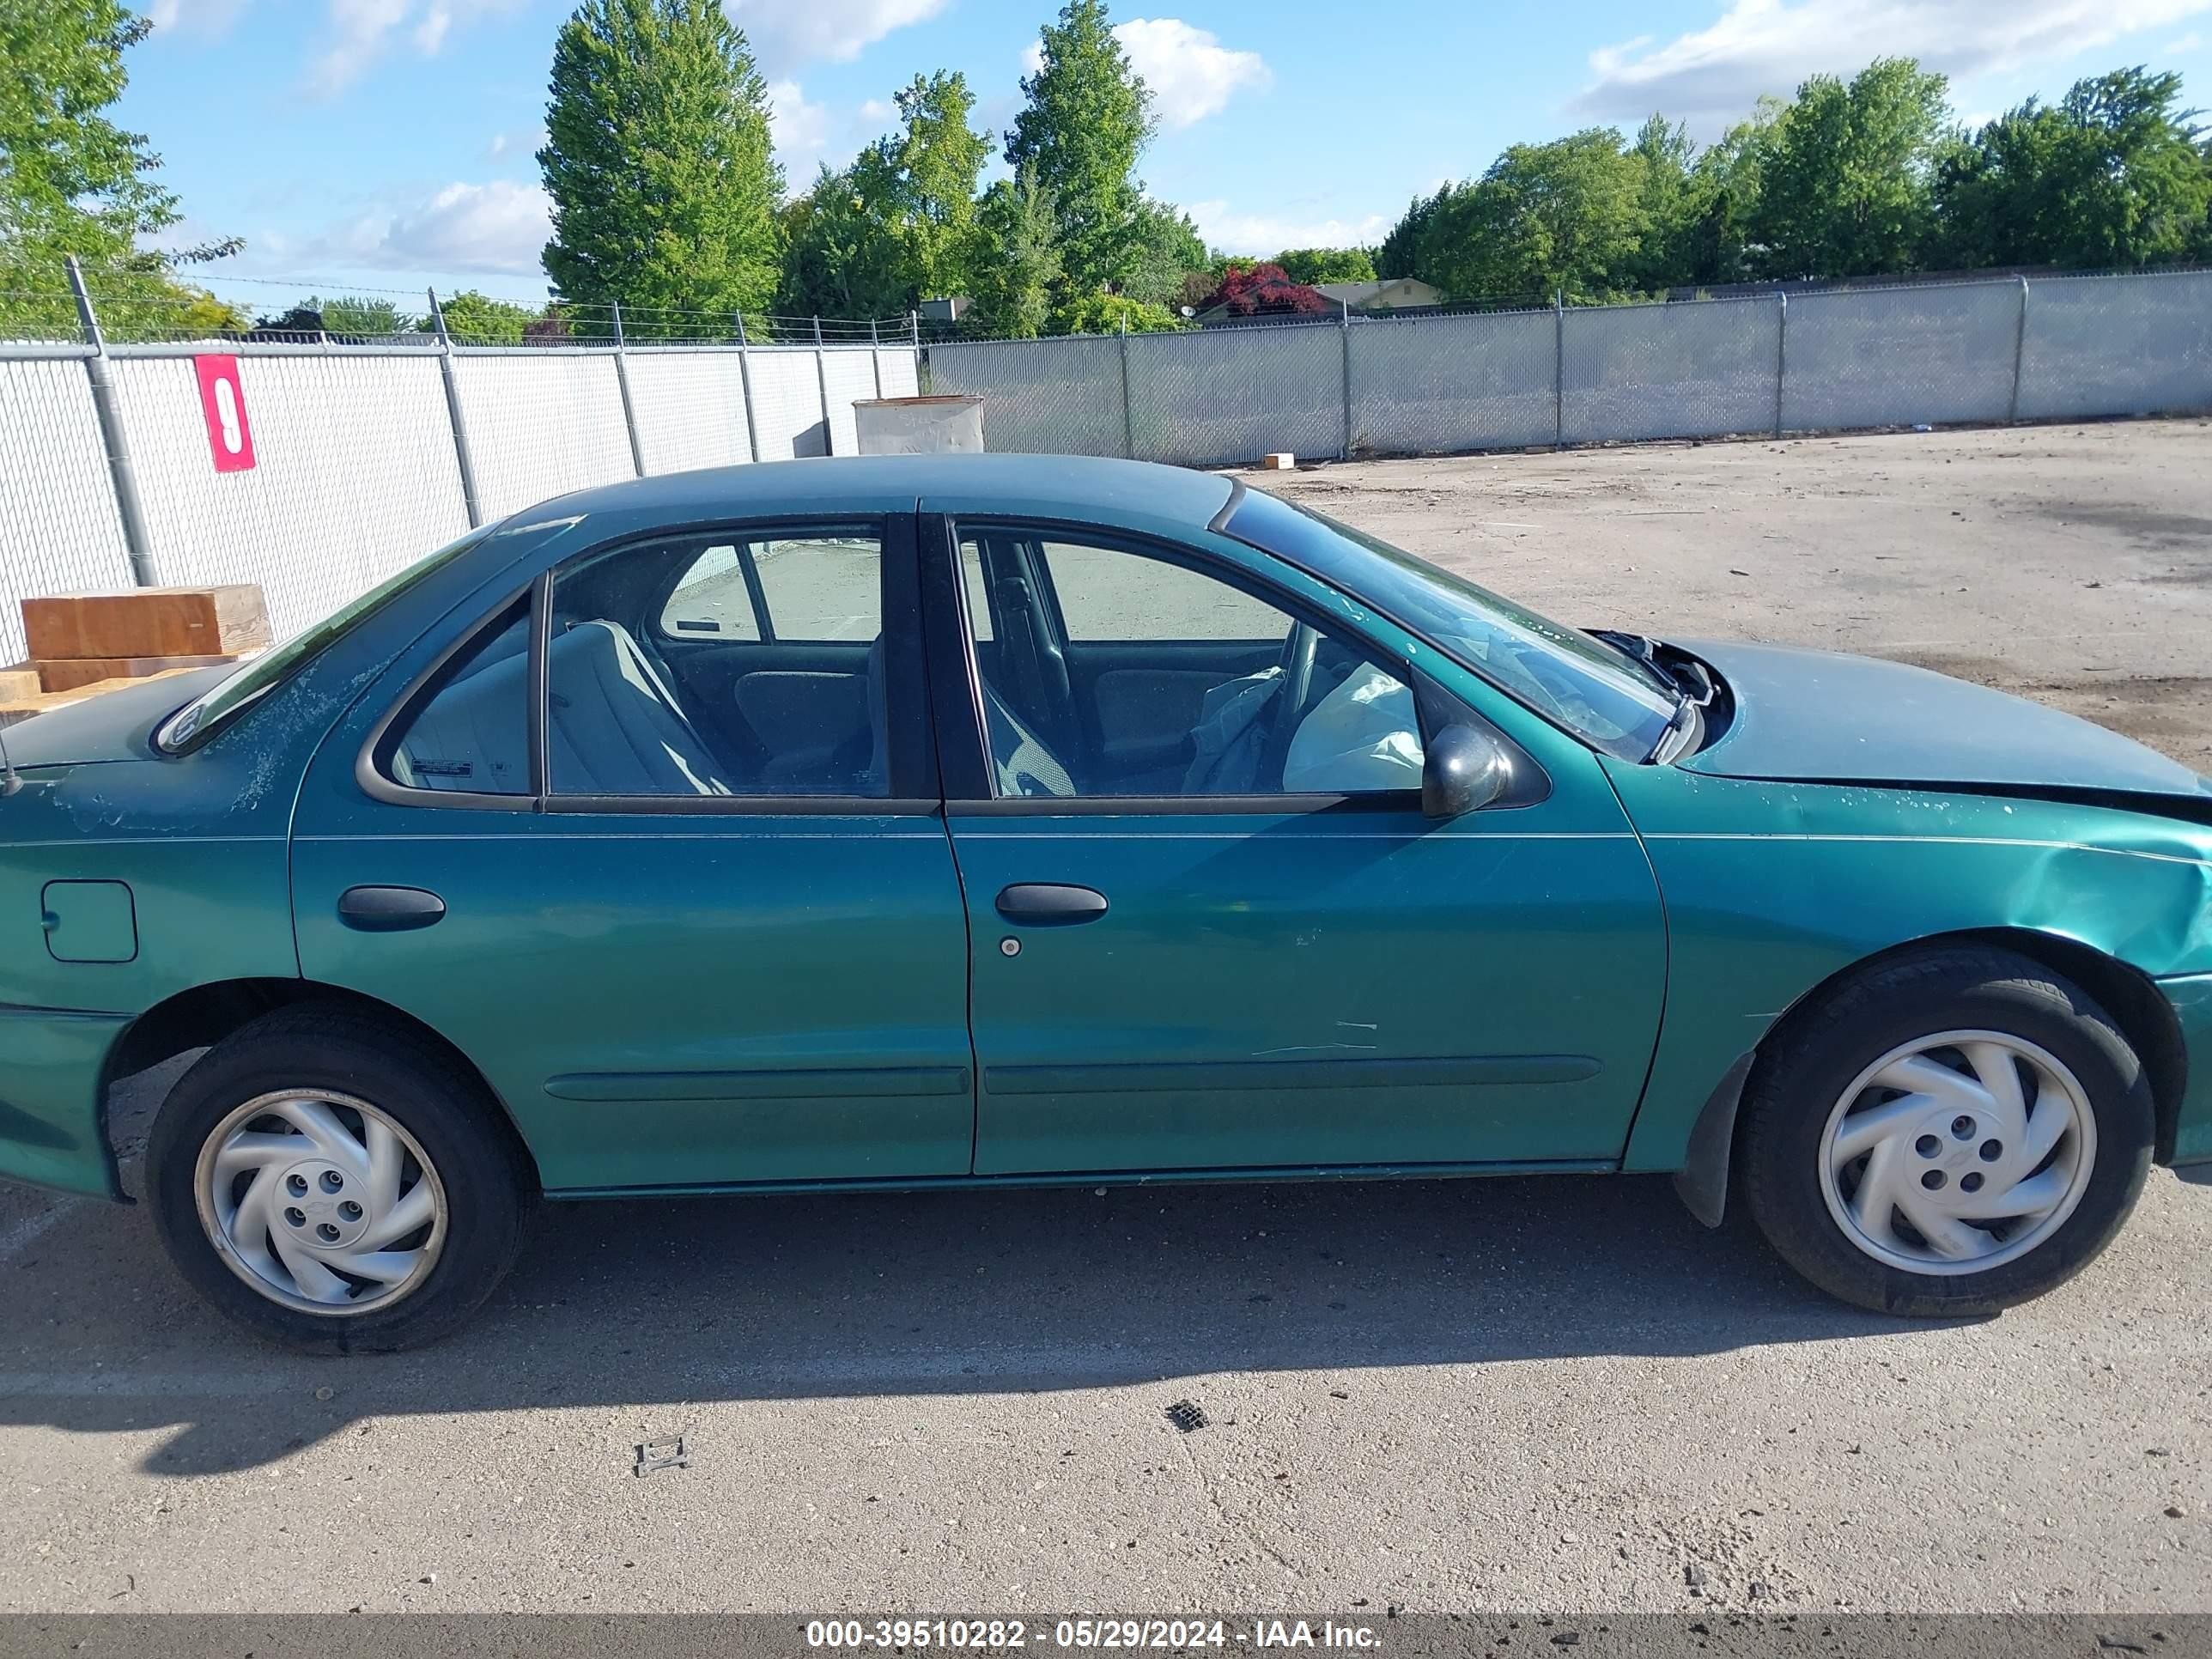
(389, 910)
(1049, 905)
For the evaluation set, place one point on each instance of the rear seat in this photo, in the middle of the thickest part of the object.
(612, 726)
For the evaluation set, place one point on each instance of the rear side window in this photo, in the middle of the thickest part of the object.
(712, 601)
(472, 735)
(818, 588)
(795, 708)
(1108, 595)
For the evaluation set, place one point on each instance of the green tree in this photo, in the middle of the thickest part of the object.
(1087, 119)
(340, 314)
(1021, 269)
(1327, 264)
(1568, 216)
(2112, 175)
(934, 164)
(658, 161)
(73, 182)
(1112, 313)
(843, 255)
(1667, 192)
(346, 314)
(479, 320)
(1721, 201)
(1166, 248)
(897, 226)
(1847, 173)
(1411, 249)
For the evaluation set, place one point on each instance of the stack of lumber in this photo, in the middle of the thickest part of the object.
(84, 645)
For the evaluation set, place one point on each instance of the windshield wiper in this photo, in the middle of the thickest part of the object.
(1685, 676)
(1642, 651)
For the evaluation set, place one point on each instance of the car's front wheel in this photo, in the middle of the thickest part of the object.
(1950, 1133)
(329, 1184)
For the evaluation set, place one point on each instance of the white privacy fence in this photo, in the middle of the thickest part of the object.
(1853, 358)
(365, 457)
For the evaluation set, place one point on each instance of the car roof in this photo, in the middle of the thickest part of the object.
(1078, 486)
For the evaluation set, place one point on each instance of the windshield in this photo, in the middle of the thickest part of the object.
(1609, 698)
(201, 718)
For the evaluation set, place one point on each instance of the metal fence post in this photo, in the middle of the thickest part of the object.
(1781, 355)
(921, 382)
(745, 379)
(1344, 343)
(630, 409)
(470, 501)
(875, 355)
(821, 385)
(1558, 369)
(2019, 354)
(1128, 417)
(122, 477)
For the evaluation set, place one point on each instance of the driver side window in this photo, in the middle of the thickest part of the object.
(1106, 671)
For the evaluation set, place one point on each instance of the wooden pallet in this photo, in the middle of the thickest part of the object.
(23, 707)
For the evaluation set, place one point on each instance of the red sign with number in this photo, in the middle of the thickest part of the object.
(222, 400)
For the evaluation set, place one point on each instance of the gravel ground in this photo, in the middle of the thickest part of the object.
(2069, 564)
(1440, 1396)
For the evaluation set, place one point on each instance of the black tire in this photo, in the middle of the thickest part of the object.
(488, 1181)
(1793, 1089)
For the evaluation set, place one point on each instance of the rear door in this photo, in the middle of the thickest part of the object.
(1212, 928)
(688, 944)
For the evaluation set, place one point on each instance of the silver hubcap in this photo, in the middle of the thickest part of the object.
(321, 1201)
(1957, 1152)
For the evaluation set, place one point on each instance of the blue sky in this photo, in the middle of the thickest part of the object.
(388, 143)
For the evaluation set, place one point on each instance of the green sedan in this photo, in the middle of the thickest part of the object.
(956, 821)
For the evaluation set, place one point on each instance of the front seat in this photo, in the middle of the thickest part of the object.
(1024, 765)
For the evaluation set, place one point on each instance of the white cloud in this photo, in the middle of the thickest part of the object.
(878, 110)
(1269, 234)
(498, 227)
(786, 34)
(800, 132)
(1191, 73)
(1758, 47)
(208, 17)
(2189, 42)
(519, 144)
(361, 31)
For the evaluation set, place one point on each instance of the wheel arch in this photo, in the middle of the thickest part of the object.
(2124, 992)
(205, 1015)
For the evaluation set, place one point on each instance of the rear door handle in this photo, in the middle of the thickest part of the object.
(389, 910)
(1050, 904)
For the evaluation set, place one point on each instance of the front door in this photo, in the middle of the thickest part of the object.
(1213, 929)
(698, 923)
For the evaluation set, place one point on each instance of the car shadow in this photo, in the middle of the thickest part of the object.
(677, 1300)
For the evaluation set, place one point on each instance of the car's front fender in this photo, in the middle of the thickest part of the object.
(1771, 889)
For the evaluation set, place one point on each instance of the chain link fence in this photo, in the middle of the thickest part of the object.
(1841, 360)
(368, 449)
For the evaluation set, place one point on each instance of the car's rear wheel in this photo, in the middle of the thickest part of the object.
(330, 1183)
(1949, 1132)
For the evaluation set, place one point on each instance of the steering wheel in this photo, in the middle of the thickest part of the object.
(1296, 663)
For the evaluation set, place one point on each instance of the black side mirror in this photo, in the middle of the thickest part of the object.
(1464, 770)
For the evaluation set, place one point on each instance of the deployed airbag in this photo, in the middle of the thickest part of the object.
(1364, 736)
